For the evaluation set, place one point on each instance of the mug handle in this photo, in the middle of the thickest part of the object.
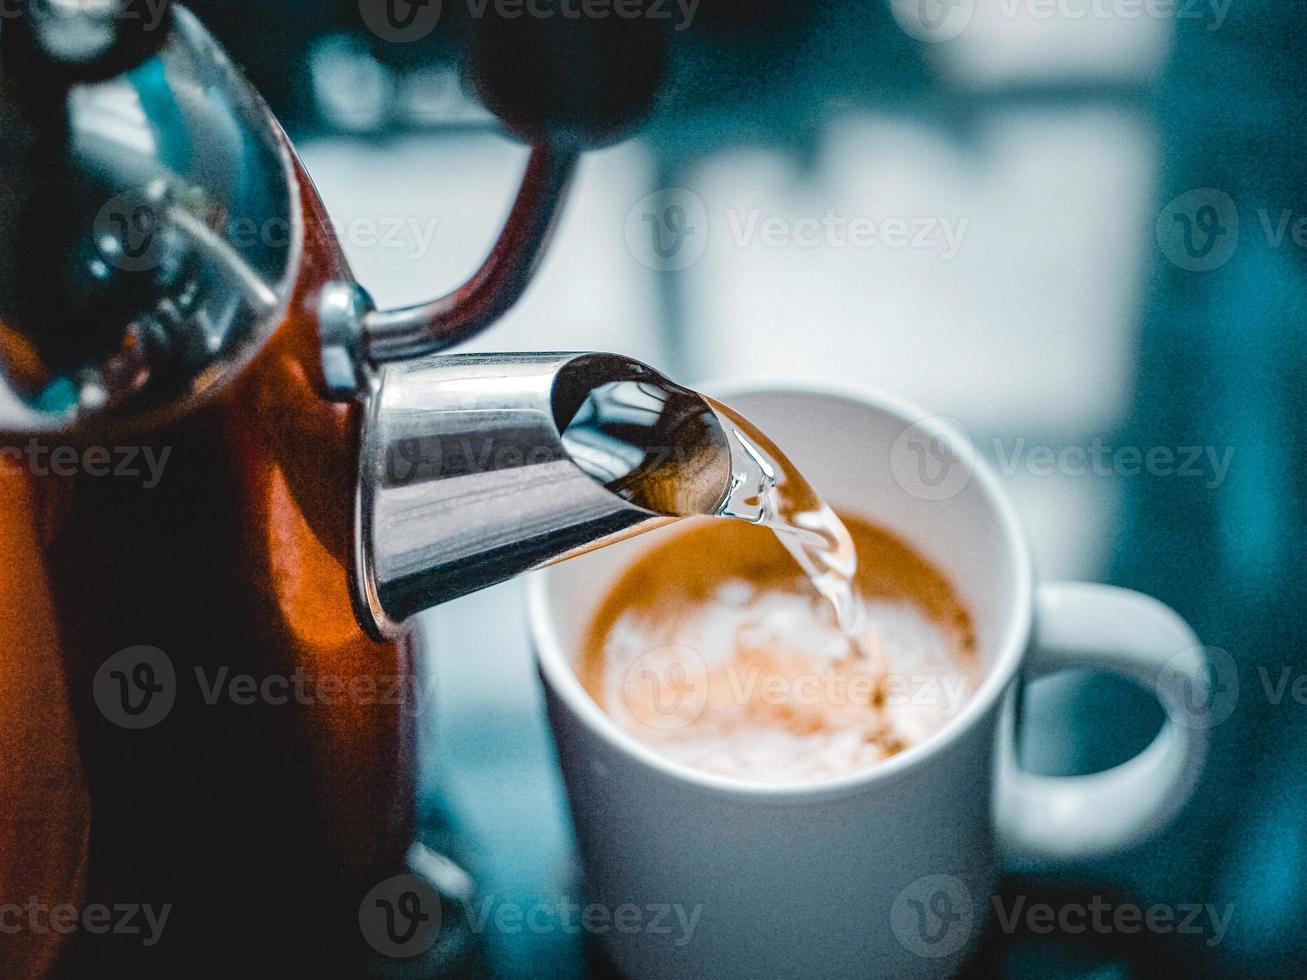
(1064, 818)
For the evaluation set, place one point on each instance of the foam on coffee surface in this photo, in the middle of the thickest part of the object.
(717, 653)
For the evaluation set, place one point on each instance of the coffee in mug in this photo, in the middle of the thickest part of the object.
(716, 650)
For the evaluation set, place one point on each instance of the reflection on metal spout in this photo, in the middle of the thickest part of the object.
(478, 467)
(654, 444)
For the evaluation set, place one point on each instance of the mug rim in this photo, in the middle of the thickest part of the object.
(559, 676)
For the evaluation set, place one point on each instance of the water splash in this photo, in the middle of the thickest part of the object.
(766, 489)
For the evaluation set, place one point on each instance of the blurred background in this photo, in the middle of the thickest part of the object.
(1076, 226)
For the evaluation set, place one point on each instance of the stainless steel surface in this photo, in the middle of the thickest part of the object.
(164, 206)
(465, 480)
(342, 307)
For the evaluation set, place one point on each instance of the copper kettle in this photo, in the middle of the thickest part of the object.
(227, 482)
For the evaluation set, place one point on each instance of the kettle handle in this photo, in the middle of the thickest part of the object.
(355, 334)
(395, 335)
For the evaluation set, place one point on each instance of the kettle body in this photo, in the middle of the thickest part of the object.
(258, 821)
(227, 483)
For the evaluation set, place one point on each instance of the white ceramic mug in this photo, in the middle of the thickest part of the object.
(887, 872)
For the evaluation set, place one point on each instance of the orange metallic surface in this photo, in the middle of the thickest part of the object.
(262, 824)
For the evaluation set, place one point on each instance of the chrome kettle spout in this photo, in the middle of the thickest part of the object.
(475, 468)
